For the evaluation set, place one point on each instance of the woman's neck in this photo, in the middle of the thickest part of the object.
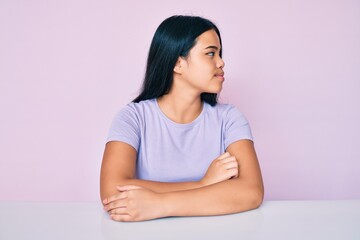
(180, 108)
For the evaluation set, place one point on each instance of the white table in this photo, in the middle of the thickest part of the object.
(273, 220)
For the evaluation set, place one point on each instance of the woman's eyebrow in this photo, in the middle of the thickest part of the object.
(213, 47)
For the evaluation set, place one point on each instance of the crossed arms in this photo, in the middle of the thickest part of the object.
(232, 183)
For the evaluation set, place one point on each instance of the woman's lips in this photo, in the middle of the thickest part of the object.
(220, 76)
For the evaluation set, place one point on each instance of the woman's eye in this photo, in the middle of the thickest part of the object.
(211, 54)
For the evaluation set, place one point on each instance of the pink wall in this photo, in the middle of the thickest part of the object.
(66, 67)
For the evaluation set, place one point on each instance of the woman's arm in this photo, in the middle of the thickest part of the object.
(118, 169)
(235, 195)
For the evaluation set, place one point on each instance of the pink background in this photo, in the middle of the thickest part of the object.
(66, 67)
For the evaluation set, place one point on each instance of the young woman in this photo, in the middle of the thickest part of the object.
(175, 151)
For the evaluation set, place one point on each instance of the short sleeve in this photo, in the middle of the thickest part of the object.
(125, 127)
(236, 127)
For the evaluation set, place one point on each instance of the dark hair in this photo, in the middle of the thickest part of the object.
(174, 37)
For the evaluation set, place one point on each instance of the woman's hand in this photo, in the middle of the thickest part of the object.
(221, 169)
(134, 203)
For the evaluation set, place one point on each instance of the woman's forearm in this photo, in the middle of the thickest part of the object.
(135, 203)
(163, 187)
(108, 190)
(226, 197)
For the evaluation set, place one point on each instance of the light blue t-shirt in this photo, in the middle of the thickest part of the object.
(173, 152)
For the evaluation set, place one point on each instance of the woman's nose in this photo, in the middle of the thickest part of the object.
(220, 63)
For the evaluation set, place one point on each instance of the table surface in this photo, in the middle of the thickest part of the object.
(273, 220)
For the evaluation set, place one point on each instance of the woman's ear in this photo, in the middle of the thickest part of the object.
(178, 65)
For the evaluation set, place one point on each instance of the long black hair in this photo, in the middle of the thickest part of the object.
(174, 38)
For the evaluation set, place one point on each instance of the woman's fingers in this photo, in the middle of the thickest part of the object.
(229, 162)
(227, 159)
(120, 211)
(115, 197)
(121, 203)
(121, 218)
(222, 168)
(123, 193)
(230, 165)
(224, 155)
(233, 172)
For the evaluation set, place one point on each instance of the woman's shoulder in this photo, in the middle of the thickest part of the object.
(223, 109)
(226, 113)
(138, 107)
(136, 110)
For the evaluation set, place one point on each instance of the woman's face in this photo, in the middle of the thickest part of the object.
(202, 69)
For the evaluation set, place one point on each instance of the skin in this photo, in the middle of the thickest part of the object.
(233, 181)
